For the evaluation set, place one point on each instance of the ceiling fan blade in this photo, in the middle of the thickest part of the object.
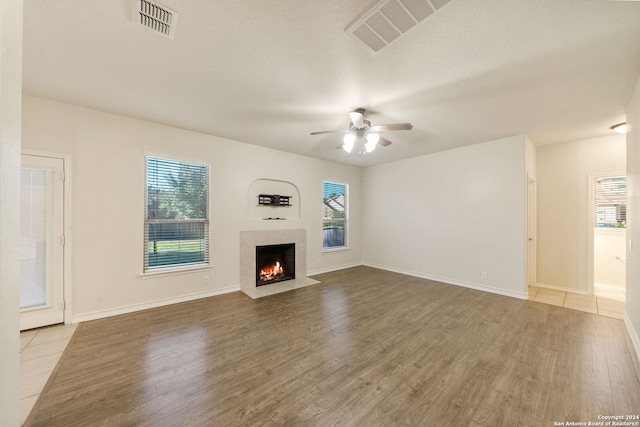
(396, 126)
(384, 142)
(329, 131)
(357, 119)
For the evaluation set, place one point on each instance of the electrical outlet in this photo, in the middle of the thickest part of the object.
(205, 279)
(485, 275)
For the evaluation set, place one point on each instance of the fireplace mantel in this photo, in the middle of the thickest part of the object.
(248, 242)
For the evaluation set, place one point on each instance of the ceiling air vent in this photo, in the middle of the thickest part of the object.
(390, 19)
(156, 17)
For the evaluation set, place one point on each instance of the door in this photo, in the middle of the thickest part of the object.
(42, 241)
(531, 231)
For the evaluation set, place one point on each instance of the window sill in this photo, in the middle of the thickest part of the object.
(609, 230)
(336, 249)
(174, 271)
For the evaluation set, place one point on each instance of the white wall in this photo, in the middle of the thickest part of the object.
(531, 210)
(563, 206)
(609, 257)
(10, 93)
(108, 203)
(531, 160)
(632, 314)
(451, 216)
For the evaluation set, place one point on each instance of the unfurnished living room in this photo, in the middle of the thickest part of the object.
(377, 213)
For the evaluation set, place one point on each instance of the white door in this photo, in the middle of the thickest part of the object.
(531, 231)
(42, 241)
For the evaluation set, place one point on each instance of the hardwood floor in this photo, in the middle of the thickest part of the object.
(365, 347)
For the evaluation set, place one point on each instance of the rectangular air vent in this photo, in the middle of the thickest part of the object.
(156, 17)
(388, 20)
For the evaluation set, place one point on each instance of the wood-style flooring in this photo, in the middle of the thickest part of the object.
(365, 347)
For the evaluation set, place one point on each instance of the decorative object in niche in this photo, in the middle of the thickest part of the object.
(257, 211)
(273, 200)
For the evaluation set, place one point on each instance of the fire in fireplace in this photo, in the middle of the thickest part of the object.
(275, 263)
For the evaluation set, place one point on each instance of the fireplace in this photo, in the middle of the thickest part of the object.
(275, 263)
(251, 239)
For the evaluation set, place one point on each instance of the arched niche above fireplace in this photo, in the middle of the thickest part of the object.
(262, 212)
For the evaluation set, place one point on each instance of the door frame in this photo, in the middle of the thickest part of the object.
(591, 229)
(531, 233)
(66, 220)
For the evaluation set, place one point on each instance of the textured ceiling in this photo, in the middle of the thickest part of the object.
(270, 72)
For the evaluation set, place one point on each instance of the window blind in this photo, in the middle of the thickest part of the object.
(176, 225)
(334, 224)
(610, 202)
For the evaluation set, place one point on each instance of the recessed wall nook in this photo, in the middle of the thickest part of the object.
(272, 200)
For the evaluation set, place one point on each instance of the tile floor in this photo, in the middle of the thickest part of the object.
(40, 350)
(607, 301)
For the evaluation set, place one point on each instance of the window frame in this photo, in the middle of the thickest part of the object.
(345, 220)
(182, 266)
(613, 205)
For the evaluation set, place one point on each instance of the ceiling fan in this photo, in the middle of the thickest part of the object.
(362, 134)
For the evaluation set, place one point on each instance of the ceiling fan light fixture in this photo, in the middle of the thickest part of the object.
(620, 128)
(369, 146)
(347, 147)
(348, 141)
(360, 133)
(372, 141)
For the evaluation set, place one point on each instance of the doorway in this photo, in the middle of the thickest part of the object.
(42, 235)
(609, 222)
(531, 231)
(607, 241)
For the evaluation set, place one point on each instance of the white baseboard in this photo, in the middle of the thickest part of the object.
(608, 286)
(100, 314)
(330, 269)
(633, 334)
(470, 285)
(562, 288)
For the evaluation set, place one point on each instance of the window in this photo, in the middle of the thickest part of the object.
(610, 202)
(176, 224)
(334, 224)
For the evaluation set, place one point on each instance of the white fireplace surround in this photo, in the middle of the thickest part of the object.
(249, 240)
